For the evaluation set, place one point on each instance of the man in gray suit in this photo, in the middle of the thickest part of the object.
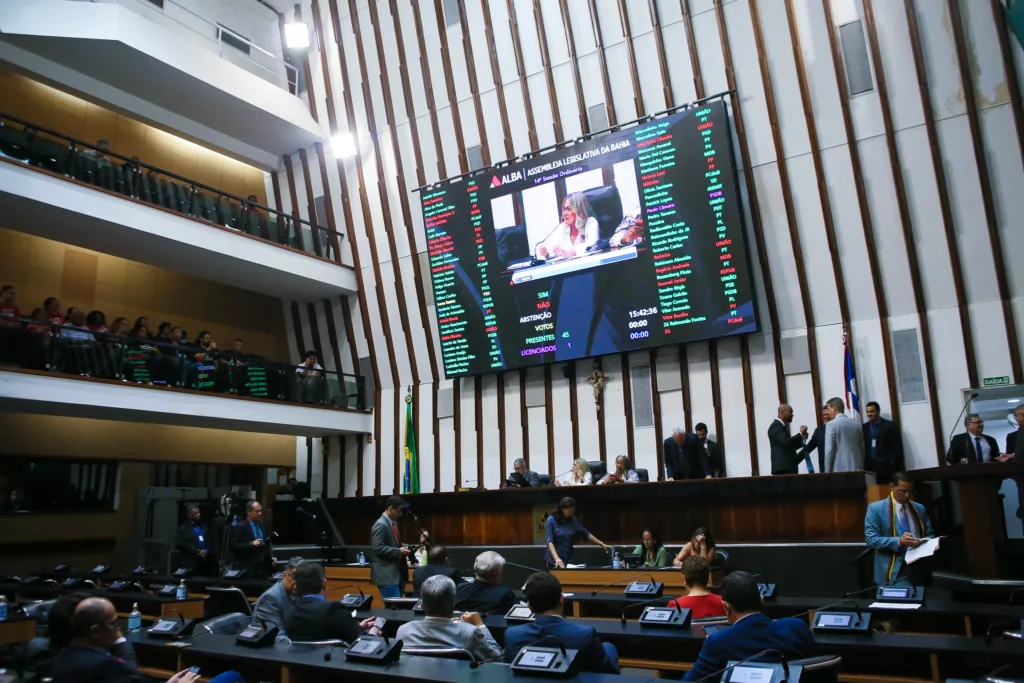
(276, 601)
(389, 570)
(844, 440)
(439, 630)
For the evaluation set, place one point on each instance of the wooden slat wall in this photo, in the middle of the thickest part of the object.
(407, 77)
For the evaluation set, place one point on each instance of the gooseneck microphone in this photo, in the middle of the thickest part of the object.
(856, 608)
(473, 664)
(974, 395)
(523, 566)
(304, 511)
(645, 602)
(616, 583)
(863, 590)
(350, 585)
(770, 651)
(217, 628)
(330, 650)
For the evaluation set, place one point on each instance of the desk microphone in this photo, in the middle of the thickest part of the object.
(785, 666)
(303, 511)
(350, 585)
(407, 509)
(473, 664)
(974, 395)
(615, 583)
(1002, 622)
(217, 628)
(330, 650)
(856, 608)
(864, 590)
(645, 602)
(558, 640)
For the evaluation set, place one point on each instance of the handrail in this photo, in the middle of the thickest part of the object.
(291, 72)
(138, 162)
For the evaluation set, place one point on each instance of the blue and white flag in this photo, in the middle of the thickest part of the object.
(852, 399)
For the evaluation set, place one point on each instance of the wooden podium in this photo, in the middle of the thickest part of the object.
(977, 487)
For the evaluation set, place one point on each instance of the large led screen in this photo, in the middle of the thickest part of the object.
(626, 241)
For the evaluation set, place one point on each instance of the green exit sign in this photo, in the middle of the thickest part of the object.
(996, 381)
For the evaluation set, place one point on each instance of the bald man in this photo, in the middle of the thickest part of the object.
(87, 659)
(786, 448)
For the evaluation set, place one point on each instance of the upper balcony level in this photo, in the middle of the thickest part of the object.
(176, 63)
(69, 191)
(88, 371)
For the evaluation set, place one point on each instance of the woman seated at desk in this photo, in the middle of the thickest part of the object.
(698, 599)
(579, 476)
(654, 554)
(623, 473)
(701, 543)
(575, 234)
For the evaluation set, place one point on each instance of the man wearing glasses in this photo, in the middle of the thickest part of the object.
(972, 447)
(891, 526)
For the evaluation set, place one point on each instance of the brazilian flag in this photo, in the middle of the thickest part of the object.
(411, 478)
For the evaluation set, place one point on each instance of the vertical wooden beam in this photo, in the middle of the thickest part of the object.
(311, 202)
(478, 425)
(360, 443)
(545, 58)
(627, 407)
(457, 424)
(332, 237)
(602, 437)
(449, 83)
(502, 449)
(376, 441)
(791, 220)
(684, 383)
(638, 95)
(1010, 71)
(659, 47)
(549, 419)
(985, 181)
(499, 88)
(437, 441)
(332, 339)
(397, 441)
(314, 330)
(325, 471)
(343, 446)
(865, 211)
(346, 315)
(300, 241)
(574, 417)
(716, 399)
(524, 88)
(945, 205)
(656, 409)
(748, 396)
(906, 226)
(595, 22)
(698, 81)
(574, 64)
(318, 29)
(524, 415)
(428, 85)
(310, 93)
(297, 328)
(474, 87)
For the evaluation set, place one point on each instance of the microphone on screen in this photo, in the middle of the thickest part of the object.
(622, 581)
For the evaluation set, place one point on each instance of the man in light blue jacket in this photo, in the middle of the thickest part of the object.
(844, 440)
(273, 606)
(891, 526)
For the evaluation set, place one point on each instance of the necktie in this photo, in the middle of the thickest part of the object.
(977, 449)
(394, 530)
(903, 520)
(257, 531)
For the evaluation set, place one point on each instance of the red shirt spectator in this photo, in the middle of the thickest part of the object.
(52, 307)
(707, 605)
(96, 321)
(7, 307)
(42, 325)
(698, 598)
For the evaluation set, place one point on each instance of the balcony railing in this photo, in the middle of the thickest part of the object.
(53, 151)
(266, 64)
(79, 352)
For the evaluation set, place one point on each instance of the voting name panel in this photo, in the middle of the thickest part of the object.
(623, 242)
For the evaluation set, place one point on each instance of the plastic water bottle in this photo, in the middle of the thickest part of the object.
(3, 608)
(616, 562)
(182, 591)
(135, 618)
(362, 560)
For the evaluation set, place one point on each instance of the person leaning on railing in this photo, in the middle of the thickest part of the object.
(310, 377)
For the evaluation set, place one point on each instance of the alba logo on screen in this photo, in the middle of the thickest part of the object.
(495, 181)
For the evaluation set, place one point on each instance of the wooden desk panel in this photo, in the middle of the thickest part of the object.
(17, 631)
(782, 509)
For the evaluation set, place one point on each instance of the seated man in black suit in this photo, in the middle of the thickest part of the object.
(439, 562)
(88, 657)
(314, 617)
(485, 594)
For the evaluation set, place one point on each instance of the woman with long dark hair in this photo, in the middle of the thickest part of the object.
(701, 543)
(560, 530)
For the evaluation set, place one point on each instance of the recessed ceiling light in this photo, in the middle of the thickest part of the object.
(343, 145)
(296, 35)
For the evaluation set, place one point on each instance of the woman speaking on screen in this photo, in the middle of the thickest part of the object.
(577, 231)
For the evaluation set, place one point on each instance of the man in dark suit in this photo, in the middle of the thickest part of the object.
(196, 544)
(544, 594)
(314, 617)
(525, 478)
(1011, 442)
(685, 457)
(485, 594)
(714, 457)
(750, 631)
(250, 545)
(439, 562)
(389, 570)
(883, 444)
(817, 442)
(973, 446)
(787, 452)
